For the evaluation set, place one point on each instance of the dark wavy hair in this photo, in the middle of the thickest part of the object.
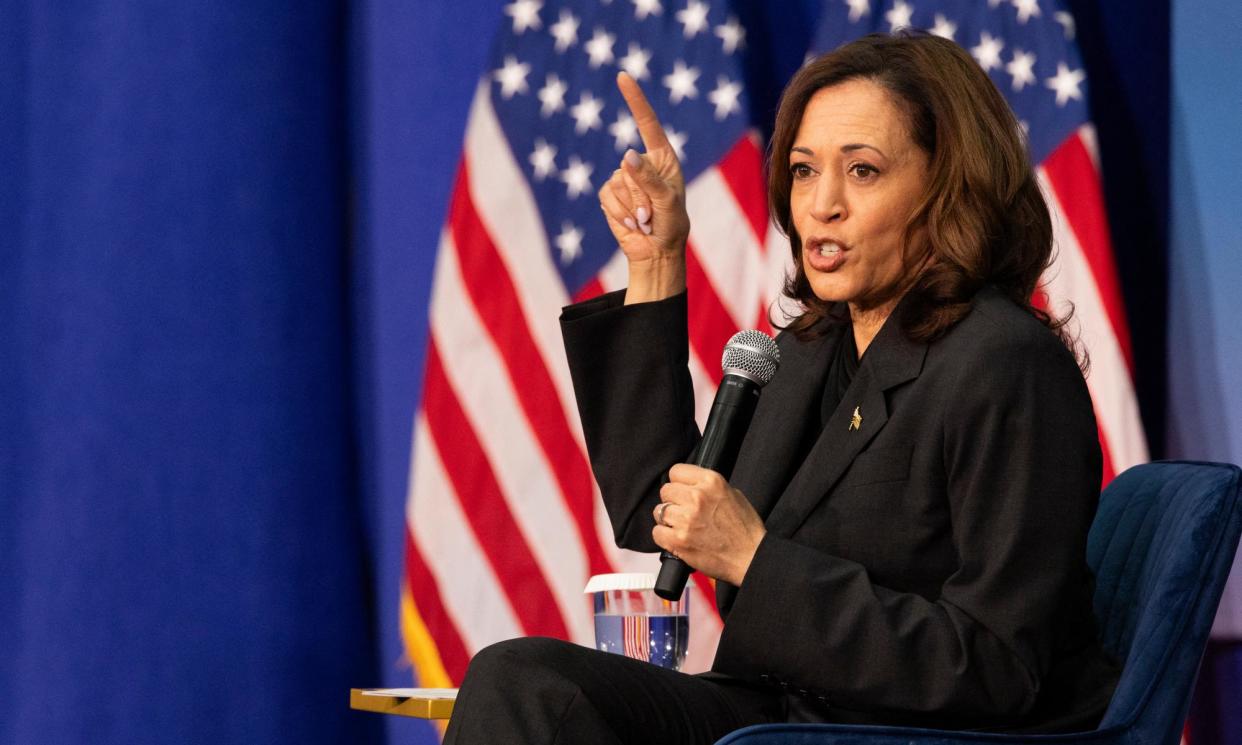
(981, 219)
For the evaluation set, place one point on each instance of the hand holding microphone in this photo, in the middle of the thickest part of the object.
(705, 522)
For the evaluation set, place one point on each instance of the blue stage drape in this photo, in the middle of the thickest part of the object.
(217, 230)
(182, 548)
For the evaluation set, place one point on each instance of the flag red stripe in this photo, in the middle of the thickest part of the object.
(1074, 178)
(742, 170)
(710, 323)
(427, 596)
(483, 502)
(496, 299)
(591, 289)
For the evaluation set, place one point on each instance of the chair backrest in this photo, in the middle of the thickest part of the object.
(1161, 548)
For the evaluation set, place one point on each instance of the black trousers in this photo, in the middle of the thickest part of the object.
(545, 691)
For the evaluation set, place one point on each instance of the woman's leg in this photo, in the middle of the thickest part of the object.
(546, 692)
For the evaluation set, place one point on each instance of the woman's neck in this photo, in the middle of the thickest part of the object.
(867, 322)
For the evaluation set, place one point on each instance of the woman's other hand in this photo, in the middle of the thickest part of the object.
(645, 204)
(707, 523)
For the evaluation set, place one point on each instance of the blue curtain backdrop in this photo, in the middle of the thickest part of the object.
(217, 229)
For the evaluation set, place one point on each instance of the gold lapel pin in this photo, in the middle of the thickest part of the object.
(856, 420)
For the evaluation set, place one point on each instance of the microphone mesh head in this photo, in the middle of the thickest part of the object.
(751, 354)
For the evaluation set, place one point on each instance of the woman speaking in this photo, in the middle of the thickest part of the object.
(904, 538)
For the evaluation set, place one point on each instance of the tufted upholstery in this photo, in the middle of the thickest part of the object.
(1161, 547)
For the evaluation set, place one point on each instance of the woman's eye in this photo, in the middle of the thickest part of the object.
(863, 171)
(800, 170)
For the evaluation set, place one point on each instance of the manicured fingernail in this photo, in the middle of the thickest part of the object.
(629, 223)
(643, 214)
(646, 227)
(632, 158)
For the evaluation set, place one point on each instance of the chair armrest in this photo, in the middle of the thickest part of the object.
(840, 734)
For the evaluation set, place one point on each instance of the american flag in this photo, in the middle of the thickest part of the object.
(1028, 49)
(504, 520)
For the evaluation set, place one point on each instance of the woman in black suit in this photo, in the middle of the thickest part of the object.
(903, 541)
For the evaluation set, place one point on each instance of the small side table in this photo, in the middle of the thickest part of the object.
(424, 703)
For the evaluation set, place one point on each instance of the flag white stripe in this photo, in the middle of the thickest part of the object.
(508, 210)
(468, 588)
(474, 368)
(777, 265)
(1070, 278)
(721, 237)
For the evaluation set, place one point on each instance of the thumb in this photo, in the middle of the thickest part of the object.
(641, 170)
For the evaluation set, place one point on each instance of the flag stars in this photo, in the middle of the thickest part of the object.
(599, 48)
(724, 98)
(1022, 69)
(680, 82)
(899, 16)
(677, 140)
(635, 62)
(577, 177)
(543, 159)
(565, 31)
(525, 14)
(944, 28)
(624, 132)
(1066, 83)
(586, 113)
(569, 242)
(1026, 9)
(858, 9)
(693, 18)
(732, 35)
(987, 54)
(552, 95)
(1067, 22)
(644, 8)
(512, 77)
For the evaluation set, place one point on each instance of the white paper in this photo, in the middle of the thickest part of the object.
(445, 693)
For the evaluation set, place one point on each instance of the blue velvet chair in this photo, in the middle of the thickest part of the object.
(1161, 547)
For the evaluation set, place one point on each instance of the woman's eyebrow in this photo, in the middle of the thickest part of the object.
(851, 147)
(860, 146)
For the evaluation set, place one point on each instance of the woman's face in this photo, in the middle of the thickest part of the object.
(857, 177)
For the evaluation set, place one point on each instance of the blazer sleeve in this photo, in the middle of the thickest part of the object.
(628, 364)
(1022, 462)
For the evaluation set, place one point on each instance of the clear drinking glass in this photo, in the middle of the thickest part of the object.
(632, 620)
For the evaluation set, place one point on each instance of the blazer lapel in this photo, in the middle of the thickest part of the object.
(891, 360)
(784, 420)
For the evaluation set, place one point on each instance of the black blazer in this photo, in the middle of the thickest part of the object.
(926, 568)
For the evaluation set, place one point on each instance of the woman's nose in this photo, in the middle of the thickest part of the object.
(829, 203)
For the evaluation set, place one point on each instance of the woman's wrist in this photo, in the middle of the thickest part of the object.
(656, 279)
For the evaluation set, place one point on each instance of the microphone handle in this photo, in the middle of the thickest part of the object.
(727, 423)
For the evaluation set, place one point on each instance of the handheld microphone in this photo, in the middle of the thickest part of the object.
(750, 360)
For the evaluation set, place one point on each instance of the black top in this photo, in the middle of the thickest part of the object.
(840, 374)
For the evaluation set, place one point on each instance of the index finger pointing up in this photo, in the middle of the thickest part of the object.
(649, 127)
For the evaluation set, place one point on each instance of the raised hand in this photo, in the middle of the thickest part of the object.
(645, 204)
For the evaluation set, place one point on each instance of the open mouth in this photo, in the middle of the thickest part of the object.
(825, 255)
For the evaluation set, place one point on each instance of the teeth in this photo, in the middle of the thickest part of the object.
(827, 249)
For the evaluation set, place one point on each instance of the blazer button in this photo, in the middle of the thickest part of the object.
(765, 678)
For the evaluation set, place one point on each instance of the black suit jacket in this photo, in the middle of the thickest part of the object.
(925, 568)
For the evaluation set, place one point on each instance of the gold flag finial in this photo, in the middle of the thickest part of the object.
(856, 420)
